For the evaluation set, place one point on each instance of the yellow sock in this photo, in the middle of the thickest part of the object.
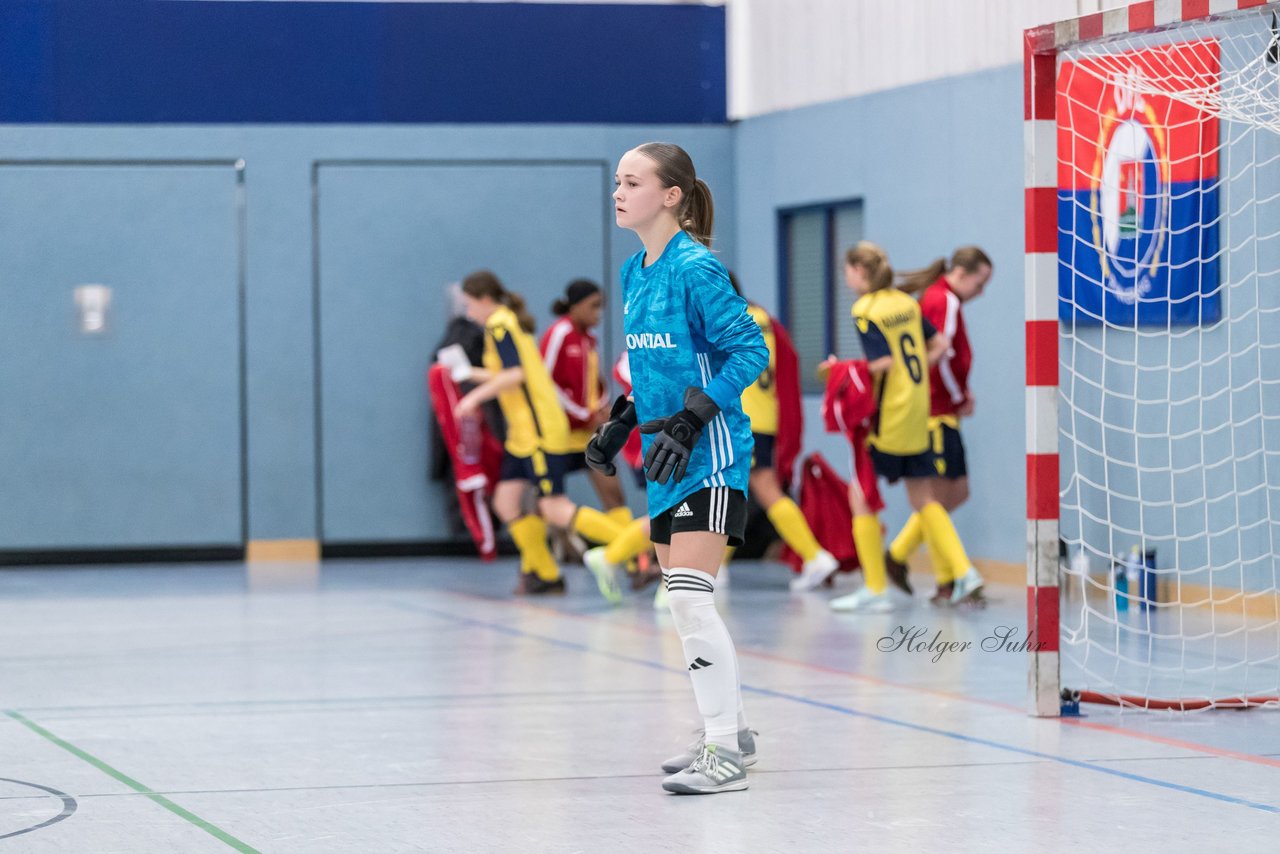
(633, 540)
(941, 534)
(537, 527)
(908, 540)
(870, 545)
(793, 528)
(530, 535)
(728, 555)
(941, 572)
(620, 515)
(595, 526)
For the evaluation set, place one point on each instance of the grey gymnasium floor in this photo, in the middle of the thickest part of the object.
(413, 705)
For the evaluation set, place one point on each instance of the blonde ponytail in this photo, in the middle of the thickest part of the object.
(874, 261)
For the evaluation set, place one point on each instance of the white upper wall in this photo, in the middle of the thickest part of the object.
(790, 53)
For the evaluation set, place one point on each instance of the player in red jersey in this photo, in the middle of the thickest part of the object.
(946, 287)
(572, 357)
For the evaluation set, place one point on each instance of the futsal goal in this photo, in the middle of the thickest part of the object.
(1153, 356)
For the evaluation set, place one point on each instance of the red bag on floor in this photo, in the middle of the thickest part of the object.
(476, 456)
(824, 500)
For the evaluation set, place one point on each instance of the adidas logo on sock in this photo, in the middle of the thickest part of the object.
(683, 511)
(699, 663)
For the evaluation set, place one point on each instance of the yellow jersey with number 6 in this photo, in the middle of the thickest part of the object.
(890, 324)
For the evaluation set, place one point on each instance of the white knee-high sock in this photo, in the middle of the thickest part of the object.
(708, 650)
(737, 674)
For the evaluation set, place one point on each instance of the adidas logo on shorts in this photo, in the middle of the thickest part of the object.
(683, 511)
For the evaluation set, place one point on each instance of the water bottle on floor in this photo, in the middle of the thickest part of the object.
(1120, 584)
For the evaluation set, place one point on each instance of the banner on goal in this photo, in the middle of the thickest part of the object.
(1138, 189)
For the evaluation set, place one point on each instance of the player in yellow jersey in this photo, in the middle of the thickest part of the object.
(946, 286)
(537, 438)
(899, 345)
(761, 405)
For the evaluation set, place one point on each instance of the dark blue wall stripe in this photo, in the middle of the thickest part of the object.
(151, 61)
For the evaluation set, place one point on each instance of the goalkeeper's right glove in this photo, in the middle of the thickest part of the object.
(610, 436)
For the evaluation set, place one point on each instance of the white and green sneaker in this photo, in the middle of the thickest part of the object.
(864, 601)
(717, 769)
(606, 574)
(967, 586)
(746, 746)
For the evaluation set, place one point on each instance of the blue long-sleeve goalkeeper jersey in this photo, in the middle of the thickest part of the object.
(686, 326)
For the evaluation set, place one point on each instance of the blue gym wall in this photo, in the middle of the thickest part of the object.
(278, 288)
(937, 165)
(343, 236)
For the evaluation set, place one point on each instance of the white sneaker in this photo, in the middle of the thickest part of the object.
(815, 571)
(966, 585)
(746, 746)
(717, 769)
(864, 601)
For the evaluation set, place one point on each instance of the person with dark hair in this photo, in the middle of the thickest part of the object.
(536, 438)
(573, 360)
(572, 356)
(692, 349)
(947, 286)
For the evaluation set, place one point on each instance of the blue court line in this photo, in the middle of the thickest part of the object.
(845, 710)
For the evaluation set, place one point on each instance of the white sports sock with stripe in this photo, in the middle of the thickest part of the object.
(737, 676)
(708, 650)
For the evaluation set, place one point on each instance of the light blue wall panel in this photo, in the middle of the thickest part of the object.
(132, 437)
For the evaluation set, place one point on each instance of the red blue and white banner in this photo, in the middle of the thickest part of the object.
(1138, 188)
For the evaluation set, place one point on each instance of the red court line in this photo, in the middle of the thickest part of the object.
(1192, 746)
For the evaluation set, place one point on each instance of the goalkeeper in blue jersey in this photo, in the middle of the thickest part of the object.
(693, 348)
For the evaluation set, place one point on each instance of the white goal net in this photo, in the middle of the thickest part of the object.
(1169, 285)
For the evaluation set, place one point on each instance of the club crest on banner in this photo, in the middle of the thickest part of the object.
(1129, 202)
(1138, 188)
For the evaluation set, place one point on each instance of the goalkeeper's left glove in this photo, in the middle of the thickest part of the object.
(669, 454)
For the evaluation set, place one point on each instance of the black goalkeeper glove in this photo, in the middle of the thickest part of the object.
(669, 454)
(610, 436)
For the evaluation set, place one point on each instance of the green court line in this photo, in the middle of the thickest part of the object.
(213, 830)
